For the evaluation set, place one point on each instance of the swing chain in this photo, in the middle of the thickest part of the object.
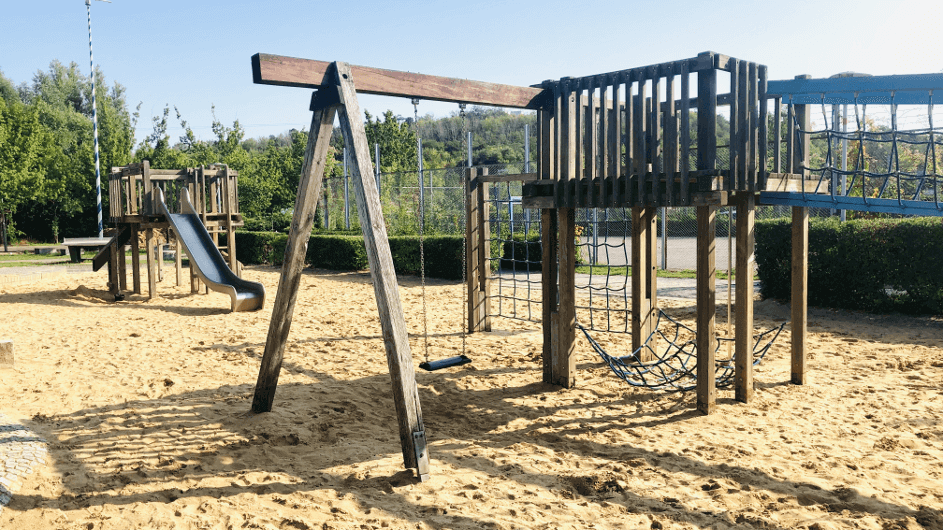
(465, 177)
(422, 247)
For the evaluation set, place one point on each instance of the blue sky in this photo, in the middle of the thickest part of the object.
(195, 54)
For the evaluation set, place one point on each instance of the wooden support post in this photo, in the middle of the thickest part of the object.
(309, 191)
(706, 279)
(644, 279)
(229, 211)
(484, 254)
(743, 366)
(564, 360)
(800, 286)
(122, 269)
(399, 358)
(149, 244)
(800, 249)
(136, 258)
(113, 284)
(473, 250)
(392, 320)
(178, 259)
(548, 279)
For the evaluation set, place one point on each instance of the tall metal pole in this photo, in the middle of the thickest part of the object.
(469, 149)
(376, 165)
(98, 181)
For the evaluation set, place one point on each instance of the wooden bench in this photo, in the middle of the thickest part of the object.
(76, 244)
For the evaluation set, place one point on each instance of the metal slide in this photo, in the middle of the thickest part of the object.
(209, 263)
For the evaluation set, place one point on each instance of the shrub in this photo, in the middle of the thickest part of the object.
(872, 265)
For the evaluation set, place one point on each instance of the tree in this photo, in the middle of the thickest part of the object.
(25, 151)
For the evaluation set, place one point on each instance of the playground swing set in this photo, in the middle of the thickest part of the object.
(620, 139)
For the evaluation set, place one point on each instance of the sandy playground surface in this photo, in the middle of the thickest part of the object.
(144, 405)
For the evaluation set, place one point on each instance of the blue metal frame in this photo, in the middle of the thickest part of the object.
(873, 90)
(840, 202)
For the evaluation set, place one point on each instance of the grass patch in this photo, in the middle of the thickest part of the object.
(602, 270)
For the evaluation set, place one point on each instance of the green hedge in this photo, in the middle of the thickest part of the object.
(348, 253)
(871, 265)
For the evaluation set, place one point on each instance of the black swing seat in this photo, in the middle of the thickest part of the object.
(448, 362)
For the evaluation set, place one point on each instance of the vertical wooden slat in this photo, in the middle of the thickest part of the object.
(800, 283)
(706, 119)
(641, 148)
(564, 362)
(746, 130)
(736, 100)
(229, 211)
(670, 149)
(706, 286)
(655, 127)
(615, 143)
(752, 166)
(148, 196)
(605, 123)
(577, 142)
(548, 280)
(763, 128)
(628, 141)
(570, 143)
(558, 154)
(790, 137)
(589, 143)
(743, 353)
(547, 155)
(685, 132)
(122, 268)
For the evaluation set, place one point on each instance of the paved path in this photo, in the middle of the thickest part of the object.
(21, 452)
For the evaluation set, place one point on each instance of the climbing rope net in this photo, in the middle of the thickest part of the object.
(877, 151)
(675, 367)
(667, 360)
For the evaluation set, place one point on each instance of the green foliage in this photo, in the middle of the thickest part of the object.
(25, 151)
(61, 190)
(260, 248)
(348, 253)
(872, 265)
(522, 252)
(398, 144)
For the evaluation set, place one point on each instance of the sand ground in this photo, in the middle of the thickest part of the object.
(144, 405)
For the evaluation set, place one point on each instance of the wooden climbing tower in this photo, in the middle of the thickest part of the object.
(133, 208)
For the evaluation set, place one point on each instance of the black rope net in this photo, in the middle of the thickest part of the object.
(876, 152)
(675, 367)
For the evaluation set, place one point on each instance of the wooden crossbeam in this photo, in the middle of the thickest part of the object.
(279, 70)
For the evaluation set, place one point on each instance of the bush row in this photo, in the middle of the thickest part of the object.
(871, 265)
(443, 254)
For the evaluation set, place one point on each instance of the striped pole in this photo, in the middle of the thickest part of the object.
(98, 181)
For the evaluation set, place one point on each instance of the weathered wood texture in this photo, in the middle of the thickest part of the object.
(548, 281)
(644, 279)
(800, 292)
(706, 285)
(309, 191)
(640, 115)
(743, 340)
(380, 259)
(279, 70)
(564, 360)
